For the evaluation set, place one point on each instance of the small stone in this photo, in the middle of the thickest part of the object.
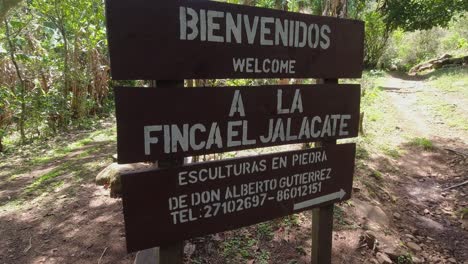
(189, 249)
(397, 216)
(417, 260)
(413, 246)
(383, 258)
(452, 260)
(426, 211)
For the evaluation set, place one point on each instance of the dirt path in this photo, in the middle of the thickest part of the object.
(52, 212)
(50, 209)
(418, 216)
(418, 118)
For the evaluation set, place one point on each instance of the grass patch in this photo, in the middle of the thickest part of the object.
(339, 215)
(380, 120)
(450, 80)
(376, 175)
(405, 259)
(423, 143)
(44, 181)
(362, 153)
(301, 250)
(371, 189)
(88, 152)
(451, 115)
(291, 221)
(463, 213)
(238, 246)
(391, 152)
(263, 257)
(264, 231)
(11, 205)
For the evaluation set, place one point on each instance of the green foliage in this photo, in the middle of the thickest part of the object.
(377, 175)
(411, 15)
(265, 231)
(405, 259)
(339, 215)
(375, 39)
(409, 49)
(406, 49)
(53, 58)
(264, 257)
(238, 246)
(423, 143)
(291, 220)
(391, 152)
(463, 213)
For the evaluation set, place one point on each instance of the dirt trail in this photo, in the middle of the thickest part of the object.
(417, 118)
(52, 212)
(419, 215)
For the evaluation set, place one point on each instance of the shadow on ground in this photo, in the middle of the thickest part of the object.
(415, 186)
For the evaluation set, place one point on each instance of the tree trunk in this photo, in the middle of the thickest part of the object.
(62, 122)
(12, 51)
(336, 8)
(6, 5)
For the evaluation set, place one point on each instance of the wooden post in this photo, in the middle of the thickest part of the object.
(173, 253)
(322, 218)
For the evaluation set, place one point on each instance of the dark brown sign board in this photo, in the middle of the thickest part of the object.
(168, 205)
(181, 39)
(171, 123)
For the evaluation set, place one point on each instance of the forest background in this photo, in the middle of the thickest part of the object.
(54, 67)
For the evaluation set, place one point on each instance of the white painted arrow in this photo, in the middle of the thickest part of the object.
(319, 200)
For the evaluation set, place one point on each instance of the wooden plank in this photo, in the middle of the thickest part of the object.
(168, 205)
(171, 123)
(171, 253)
(322, 217)
(322, 234)
(211, 40)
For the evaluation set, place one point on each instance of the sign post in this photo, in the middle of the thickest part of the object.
(185, 122)
(168, 205)
(171, 253)
(169, 41)
(322, 218)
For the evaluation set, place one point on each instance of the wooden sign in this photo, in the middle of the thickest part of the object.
(168, 205)
(181, 39)
(170, 123)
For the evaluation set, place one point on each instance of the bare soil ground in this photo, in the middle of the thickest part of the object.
(52, 212)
